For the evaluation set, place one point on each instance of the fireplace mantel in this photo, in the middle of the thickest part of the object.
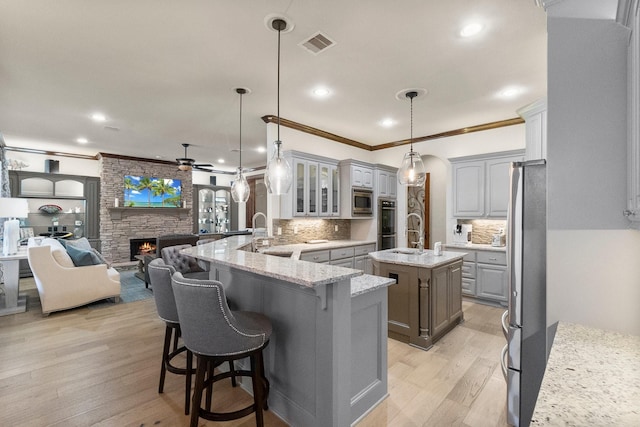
(117, 213)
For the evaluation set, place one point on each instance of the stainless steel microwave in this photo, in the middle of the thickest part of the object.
(362, 202)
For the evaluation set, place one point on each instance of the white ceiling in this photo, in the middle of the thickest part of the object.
(164, 72)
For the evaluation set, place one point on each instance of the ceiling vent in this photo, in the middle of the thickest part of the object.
(317, 43)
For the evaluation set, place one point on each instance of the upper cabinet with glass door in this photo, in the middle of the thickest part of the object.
(314, 192)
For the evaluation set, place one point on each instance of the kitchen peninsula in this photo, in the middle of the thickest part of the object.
(426, 302)
(327, 357)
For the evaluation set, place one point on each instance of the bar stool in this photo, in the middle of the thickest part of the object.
(215, 334)
(160, 278)
(185, 264)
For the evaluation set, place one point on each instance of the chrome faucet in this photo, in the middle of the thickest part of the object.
(420, 241)
(253, 223)
(255, 236)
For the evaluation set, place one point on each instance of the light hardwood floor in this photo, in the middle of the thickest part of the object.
(87, 367)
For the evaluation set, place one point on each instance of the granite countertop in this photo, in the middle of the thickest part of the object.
(426, 260)
(476, 246)
(227, 252)
(295, 249)
(367, 283)
(592, 379)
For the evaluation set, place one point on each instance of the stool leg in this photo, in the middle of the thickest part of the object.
(201, 370)
(258, 388)
(265, 381)
(187, 392)
(211, 367)
(165, 356)
(233, 377)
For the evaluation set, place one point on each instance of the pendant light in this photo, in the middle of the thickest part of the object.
(412, 172)
(240, 187)
(278, 175)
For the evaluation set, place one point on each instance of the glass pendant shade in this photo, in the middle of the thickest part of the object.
(240, 188)
(412, 171)
(278, 175)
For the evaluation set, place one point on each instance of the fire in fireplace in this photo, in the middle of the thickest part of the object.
(142, 247)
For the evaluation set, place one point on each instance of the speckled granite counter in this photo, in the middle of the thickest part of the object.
(294, 250)
(474, 246)
(427, 259)
(226, 252)
(367, 283)
(592, 379)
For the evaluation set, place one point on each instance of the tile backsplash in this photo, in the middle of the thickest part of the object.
(484, 229)
(302, 230)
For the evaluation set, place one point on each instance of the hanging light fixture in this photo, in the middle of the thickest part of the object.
(278, 175)
(412, 172)
(240, 187)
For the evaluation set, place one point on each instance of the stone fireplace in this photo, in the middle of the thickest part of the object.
(141, 247)
(118, 225)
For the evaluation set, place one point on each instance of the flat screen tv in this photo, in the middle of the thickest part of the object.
(149, 192)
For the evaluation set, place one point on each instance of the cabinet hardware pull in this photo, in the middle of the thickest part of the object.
(493, 259)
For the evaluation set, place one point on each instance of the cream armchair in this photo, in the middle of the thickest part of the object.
(62, 285)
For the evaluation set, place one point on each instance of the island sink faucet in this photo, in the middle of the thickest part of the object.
(258, 238)
(420, 241)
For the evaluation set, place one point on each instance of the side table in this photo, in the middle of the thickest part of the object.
(142, 268)
(12, 302)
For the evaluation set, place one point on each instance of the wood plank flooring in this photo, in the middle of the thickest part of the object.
(100, 367)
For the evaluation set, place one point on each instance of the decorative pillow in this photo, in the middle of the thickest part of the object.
(50, 209)
(99, 256)
(58, 252)
(81, 243)
(81, 257)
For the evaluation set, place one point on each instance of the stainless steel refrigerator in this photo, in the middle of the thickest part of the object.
(525, 322)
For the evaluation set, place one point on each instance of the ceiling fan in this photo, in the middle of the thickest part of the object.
(186, 164)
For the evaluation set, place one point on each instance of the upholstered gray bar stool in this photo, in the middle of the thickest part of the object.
(160, 278)
(185, 264)
(215, 334)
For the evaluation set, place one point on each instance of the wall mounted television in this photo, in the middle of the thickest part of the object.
(150, 192)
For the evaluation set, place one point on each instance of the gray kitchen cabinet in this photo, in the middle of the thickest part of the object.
(386, 181)
(480, 184)
(492, 282)
(484, 275)
(314, 191)
(361, 176)
(329, 190)
(535, 118)
(354, 174)
(347, 256)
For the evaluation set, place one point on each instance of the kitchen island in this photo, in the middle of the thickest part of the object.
(327, 357)
(426, 301)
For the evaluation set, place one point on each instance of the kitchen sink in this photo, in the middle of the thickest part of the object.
(405, 251)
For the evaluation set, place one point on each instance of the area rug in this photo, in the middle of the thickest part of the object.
(131, 289)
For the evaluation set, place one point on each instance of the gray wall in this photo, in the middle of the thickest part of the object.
(587, 124)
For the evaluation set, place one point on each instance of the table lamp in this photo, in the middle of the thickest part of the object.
(12, 208)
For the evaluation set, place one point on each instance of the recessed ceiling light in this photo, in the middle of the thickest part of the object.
(321, 92)
(220, 160)
(82, 140)
(471, 30)
(510, 92)
(98, 117)
(262, 150)
(387, 123)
